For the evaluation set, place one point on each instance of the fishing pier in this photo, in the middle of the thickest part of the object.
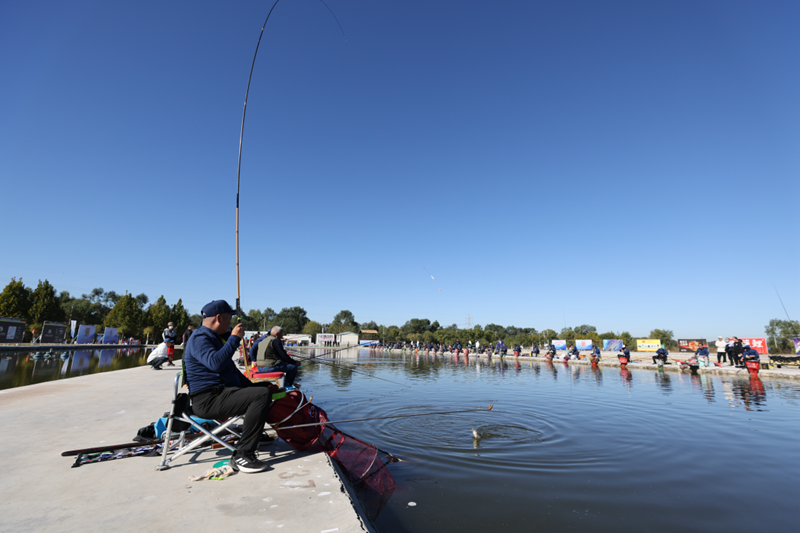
(41, 492)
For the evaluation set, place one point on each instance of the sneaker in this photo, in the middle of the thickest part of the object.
(170, 364)
(247, 463)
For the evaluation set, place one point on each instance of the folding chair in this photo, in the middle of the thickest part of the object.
(182, 412)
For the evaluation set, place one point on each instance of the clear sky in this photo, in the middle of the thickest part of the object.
(629, 165)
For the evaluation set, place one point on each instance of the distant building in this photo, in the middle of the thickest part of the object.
(347, 339)
(369, 334)
(300, 339)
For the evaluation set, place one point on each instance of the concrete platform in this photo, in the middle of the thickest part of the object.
(41, 492)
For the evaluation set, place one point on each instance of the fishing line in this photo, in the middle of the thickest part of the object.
(781, 300)
(312, 359)
(434, 279)
(384, 418)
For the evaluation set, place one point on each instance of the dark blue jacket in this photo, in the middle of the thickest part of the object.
(209, 361)
(662, 352)
(702, 351)
(751, 354)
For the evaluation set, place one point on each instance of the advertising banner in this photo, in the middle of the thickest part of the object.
(759, 345)
(54, 332)
(110, 336)
(325, 337)
(584, 345)
(11, 329)
(691, 345)
(647, 345)
(85, 334)
(612, 345)
(559, 345)
(796, 345)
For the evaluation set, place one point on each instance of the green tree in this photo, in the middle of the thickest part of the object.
(628, 340)
(142, 300)
(79, 309)
(391, 333)
(45, 305)
(416, 326)
(312, 328)
(127, 316)
(370, 325)
(95, 306)
(665, 336)
(780, 334)
(567, 334)
(548, 335)
(179, 317)
(585, 331)
(255, 320)
(494, 331)
(158, 316)
(196, 320)
(15, 300)
(292, 319)
(344, 321)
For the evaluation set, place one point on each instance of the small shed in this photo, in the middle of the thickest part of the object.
(369, 334)
(347, 339)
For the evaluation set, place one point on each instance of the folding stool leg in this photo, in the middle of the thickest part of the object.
(165, 446)
(213, 435)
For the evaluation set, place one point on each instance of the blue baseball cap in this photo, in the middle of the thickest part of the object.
(217, 307)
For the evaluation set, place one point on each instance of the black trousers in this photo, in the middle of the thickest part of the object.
(721, 357)
(224, 402)
(735, 359)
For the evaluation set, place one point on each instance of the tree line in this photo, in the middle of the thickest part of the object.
(779, 333)
(135, 318)
(130, 314)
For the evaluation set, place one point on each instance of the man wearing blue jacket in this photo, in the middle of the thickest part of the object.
(661, 354)
(218, 389)
(702, 356)
(750, 354)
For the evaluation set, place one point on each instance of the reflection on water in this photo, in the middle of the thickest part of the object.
(19, 369)
(570, 448)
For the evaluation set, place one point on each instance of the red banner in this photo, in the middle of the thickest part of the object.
(759, 345)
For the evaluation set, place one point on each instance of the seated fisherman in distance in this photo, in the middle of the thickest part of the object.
(271, 357)
(218, 389)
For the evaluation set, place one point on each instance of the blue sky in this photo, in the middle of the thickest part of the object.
(629, 165)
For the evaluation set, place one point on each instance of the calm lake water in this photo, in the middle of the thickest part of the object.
(18, 369)
(571, 448)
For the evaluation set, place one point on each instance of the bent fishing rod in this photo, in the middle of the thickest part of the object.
(241, 140)
(384, 418)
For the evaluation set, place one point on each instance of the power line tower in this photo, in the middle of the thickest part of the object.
(469, 321)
